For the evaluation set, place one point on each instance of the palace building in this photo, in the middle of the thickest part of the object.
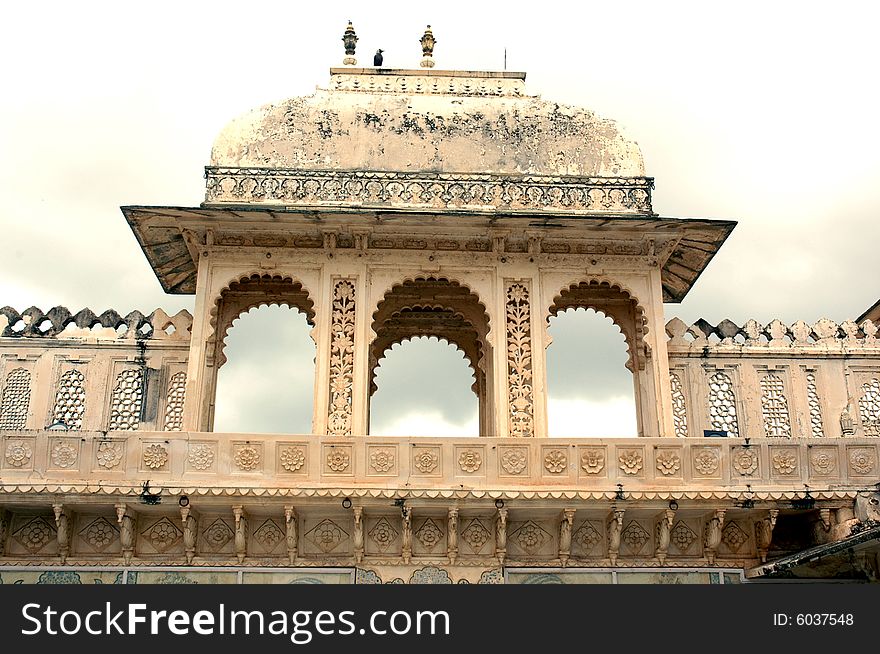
(391, 204)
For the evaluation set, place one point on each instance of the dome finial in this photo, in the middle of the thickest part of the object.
(350, 39)
(428, 43)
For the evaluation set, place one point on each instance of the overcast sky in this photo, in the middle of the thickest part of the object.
(765, 113)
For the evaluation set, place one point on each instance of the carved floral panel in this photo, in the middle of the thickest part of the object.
(342, 347)
(519, 360)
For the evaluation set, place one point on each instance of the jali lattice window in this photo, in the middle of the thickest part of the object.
(774, 406)
(174, 402)
(869, 407)
(722, 404)
(16, 399)
(816, 428)
(125, 406)
(679, 410)
(70, 400)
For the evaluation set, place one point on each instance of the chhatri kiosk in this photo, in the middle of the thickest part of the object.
(391, 204)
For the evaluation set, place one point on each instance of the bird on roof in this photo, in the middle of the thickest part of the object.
(377, 58)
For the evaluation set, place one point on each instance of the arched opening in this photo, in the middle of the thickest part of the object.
(267, 382)
(589, 389)
(268, 372)
(596, 365)
(444, 309)
(424, 387)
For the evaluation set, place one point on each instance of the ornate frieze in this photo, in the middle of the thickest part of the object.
(341, 357)
(419, 190)
(519, 359)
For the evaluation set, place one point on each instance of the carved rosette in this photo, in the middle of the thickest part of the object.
(341, 357)
(668, 462)
(292, 458)
(155, 456)
(109, 454)
(745, 462)
(519, 360)
(631, 461)
(593, 461)
(784, 462)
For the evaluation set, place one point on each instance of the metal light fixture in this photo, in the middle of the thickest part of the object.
(499, 503)
(183, 501)
(346, 503)
(673, 505)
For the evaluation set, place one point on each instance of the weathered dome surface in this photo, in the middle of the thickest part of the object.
(428, 121)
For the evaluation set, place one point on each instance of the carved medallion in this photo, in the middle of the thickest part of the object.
(155, 456)
(555, 461)
(668, 462)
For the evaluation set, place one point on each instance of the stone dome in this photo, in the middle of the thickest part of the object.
(428, 121)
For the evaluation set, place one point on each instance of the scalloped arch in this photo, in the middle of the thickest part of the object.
(467, 358)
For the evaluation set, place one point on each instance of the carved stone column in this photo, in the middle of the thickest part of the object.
(240, 533)
(190, 531)
(342, 353)
(126, 532)
(357, 537)
(406, 520)
(501, 536)
(291, 535)
(713, 534)
(452, 535)
(565, 527)
(62, 525)
(664, 531)
(518, 350)
(615, 526)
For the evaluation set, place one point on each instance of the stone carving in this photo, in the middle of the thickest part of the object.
(190, 529)
(338, 460)
(519, 360)
(64, 454)
(706, 462)
(341, 357)
(470, 460)
(679, 409)
(109, 454)
(241, 531)
(682, 537)
(593, 461)
(476, 535)
(631, 461)
(816, 428)
(70, 400)
(745, 461)
(634, 537)
(406, 523)
(155, 456)
(290, 534)
(531, 537)
(822, 462)
(501, 535)
(292, 458)
(668, 462)
(382, 460)
(99, 534)
(383, 534)
(733, 537)
(764, 533)
(162, 535)
(775, 334)
(269, 535)
(430, 575)
(869, 407)
(327, 535)
(435, 190)
(713, 534)
(201, 456)
(862, 461)
(774, 406)
(18, 453)
(452, 534)
(664, 535)
(555, 461)
(587, 537)
(429, 534)
(615, 526)
(126, 532)
(175, 401)
(62, 531)
(126, 402)
(722, 404)
(16, 399)
(514, 460)
(247, 457)
(426, 461)
(218, 535)
(785, 462)
(35, 534)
